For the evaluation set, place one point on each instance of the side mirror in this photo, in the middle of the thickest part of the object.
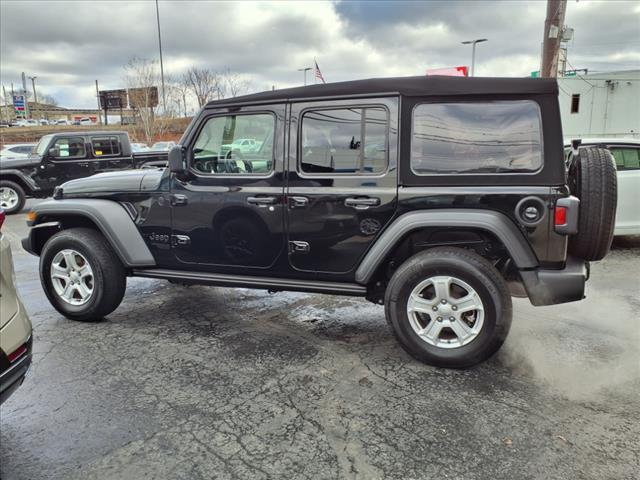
(176, 160)
(53, 152)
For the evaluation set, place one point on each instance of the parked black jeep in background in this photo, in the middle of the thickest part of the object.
(60, 157)
(438, 197)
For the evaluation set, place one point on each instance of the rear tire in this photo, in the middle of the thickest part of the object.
(75, 293)
(12, 197)
(417, 305)
(593, 180)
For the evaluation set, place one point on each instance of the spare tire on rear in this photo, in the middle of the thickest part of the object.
(592, 178)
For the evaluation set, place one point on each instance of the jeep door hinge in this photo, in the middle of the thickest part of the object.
(180, 240)
(296, 246)
(179, 199)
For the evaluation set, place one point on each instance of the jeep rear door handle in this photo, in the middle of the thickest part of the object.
(262, 201)
(362, 203)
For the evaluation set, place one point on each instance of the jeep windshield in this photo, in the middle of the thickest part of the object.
(41, 147)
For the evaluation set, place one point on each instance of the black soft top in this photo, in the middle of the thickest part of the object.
(408, 86)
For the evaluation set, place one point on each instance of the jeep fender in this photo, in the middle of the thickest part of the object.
(110, 217)
(493, 222)
(28, 183)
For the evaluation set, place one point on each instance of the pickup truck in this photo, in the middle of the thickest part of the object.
(60, 157)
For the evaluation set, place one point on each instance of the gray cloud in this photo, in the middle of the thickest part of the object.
(69, 44)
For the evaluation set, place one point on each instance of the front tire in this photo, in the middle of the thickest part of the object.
(448, 307)
(81, 275)
(12, 197)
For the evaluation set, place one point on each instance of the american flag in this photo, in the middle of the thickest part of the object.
(319, 73)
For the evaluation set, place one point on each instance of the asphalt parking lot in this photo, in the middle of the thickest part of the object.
(220, 383)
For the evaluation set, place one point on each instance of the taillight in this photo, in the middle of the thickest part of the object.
(16, 354)
(560, 216)
(2, 217)
(565, 216)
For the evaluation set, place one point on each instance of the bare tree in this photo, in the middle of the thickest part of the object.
(204, 83)
(234, 84)
(180, 91)
(47, 99)
(142, 79)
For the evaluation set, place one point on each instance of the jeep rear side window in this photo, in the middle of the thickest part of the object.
(69, 148)
(235, 145)
(490, 137)
(346, 140)
(105, 146)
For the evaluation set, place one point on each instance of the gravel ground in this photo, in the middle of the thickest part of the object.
(191, 383)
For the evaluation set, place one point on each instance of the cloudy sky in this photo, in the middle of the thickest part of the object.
(70, 44)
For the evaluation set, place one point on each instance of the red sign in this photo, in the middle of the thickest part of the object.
(462, 71)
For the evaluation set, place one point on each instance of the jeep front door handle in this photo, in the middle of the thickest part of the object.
(262, 201)
(362, 203)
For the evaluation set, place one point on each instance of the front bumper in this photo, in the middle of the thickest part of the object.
(550, 287)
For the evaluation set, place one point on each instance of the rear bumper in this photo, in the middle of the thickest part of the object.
(550, 287)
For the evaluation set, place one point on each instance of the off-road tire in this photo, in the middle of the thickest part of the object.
(465, 265)
(592, 178)
(109, 282)
(22, 198)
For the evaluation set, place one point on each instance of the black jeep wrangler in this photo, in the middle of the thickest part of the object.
(64, 156)
(437, 197)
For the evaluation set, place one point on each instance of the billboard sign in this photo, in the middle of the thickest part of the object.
(113, 99)
(19, 104)
(462, 71)
(143, 97)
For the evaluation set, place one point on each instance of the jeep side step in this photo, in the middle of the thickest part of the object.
(244, 281)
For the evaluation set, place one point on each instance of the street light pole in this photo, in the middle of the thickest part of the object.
(164, 98)
(473, 52)
(304, 71)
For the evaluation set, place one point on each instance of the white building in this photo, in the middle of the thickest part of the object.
(601, 105)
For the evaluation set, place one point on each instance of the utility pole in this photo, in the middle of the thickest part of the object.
(553, 27)
(473, 51)
(98, 100)
(5, 104)
(27, 111)
(164, 98)
(304, 71)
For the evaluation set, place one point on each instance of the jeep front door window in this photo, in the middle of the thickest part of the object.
(235, 145)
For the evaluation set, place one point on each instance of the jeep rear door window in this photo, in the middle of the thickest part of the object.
(105, 146)
(344, 141)
(489, 137)
(235, 145)
(69, 148)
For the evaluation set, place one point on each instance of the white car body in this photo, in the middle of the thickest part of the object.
(626, 152)
(140, 147)
(244, 145)
(163, 146)
(17, 150)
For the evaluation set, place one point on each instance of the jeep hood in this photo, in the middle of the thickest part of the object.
(143, 180)
(8, 163)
